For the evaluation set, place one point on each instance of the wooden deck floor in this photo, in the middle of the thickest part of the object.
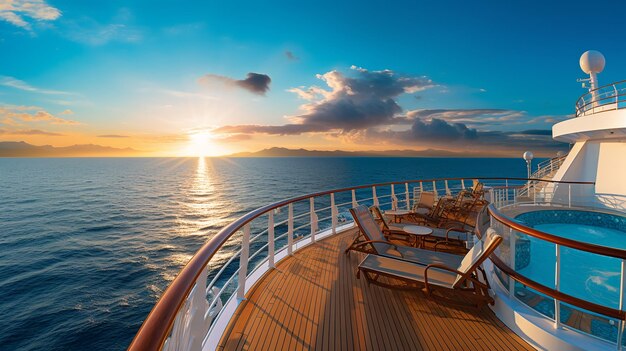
(313, 301)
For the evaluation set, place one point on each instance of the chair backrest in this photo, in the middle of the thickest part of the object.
(426, 200)
(366, 223)
(477, 255)
(439, 209)
(478, 189)
(482, 222)
(378, 215)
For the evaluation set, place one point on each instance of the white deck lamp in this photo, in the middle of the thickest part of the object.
(528, 157)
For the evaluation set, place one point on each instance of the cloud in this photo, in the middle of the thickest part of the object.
(256, 83)
(438, 129)
(471, 117)
(290, 55)
(363, 99)
(16, 12)
(12, 113)
(113, 136)
(362, 107)
(22, 85)
(28, 132)
(439, 133)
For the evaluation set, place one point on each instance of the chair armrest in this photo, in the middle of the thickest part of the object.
(395, 247)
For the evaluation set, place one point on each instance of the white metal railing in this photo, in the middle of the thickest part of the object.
(605, 98)
(244, 250)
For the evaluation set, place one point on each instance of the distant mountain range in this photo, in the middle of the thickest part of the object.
(23, 149)
(284, 152)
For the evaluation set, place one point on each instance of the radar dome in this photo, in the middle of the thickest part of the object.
(592, 62)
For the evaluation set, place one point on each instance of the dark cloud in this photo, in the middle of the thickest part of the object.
(536, 132)
(113, 136)
(442, 134)
(438, 129)
(291, 56)
(365, 99)
(256, 83)
(471, 117)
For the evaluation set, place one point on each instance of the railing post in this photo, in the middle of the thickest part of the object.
(620, 328)
(421, 188)
(463, 184)
(394, 200)
(435, 190)
(534, 194)
(313, 218)
(354, 202)
(333, 213)
(506, 185)
(243, 262)
(374, 197)
(198, 325)
(290, 230)
(512, 249)
(446, 186)
(569, 195)
(557, 286)
(407, 196)
(270, 239)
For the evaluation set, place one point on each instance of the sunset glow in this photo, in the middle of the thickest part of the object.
(202, 145)
(133, 81)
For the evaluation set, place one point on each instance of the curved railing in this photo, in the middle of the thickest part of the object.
(528, 289)
(605, 98)
(198, 304)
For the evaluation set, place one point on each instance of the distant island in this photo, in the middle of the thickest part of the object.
(284, 152)
(23, 149)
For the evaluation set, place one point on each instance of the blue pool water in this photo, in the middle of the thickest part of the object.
(88, 245)
(587, 276)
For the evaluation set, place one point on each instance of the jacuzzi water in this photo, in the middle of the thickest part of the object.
(584, 275)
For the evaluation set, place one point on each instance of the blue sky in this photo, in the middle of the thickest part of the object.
(134, 69)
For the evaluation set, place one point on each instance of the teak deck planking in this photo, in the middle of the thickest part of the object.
(313, 301)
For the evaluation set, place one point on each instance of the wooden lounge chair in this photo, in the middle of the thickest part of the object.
(456, 284)
(372, 240)
(441, 217)
(455, 235)
(391, 230)
(425, 203)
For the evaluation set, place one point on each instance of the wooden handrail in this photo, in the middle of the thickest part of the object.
(574, 244)
(156, 327)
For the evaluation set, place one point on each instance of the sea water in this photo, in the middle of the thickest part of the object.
(87, 245)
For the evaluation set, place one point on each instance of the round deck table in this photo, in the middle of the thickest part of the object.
(420, 233)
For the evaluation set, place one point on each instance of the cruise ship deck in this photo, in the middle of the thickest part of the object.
(314, 301)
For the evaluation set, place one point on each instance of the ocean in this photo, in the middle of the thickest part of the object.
(87, 245)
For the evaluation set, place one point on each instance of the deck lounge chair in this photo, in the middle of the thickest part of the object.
(373, 240)
(456, 234)
(425, 203)
(391, 230)
(441, 217)
(456, 284)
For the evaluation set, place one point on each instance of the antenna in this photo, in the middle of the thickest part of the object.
(591, 62)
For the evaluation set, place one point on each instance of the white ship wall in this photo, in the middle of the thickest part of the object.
(603, 162)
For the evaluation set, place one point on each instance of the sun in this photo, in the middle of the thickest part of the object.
(202, 144)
